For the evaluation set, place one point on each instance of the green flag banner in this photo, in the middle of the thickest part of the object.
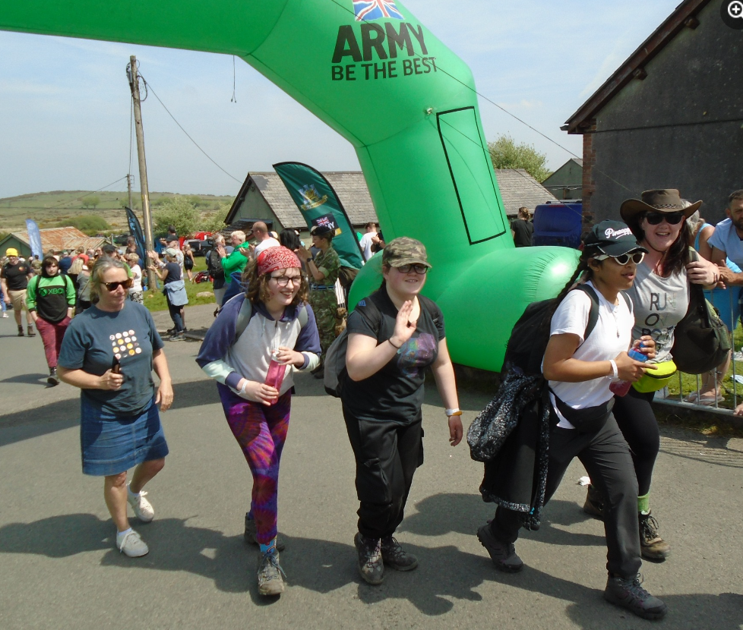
(319, 205)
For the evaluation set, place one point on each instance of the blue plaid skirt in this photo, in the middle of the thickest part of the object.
(111, 444)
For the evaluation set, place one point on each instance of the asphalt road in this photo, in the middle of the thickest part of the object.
(59, 568)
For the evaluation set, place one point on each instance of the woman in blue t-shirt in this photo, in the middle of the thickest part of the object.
(109, 352)
(394, 335)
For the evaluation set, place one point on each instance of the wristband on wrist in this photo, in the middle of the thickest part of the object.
(242, 389)
(393, 345)
(614, 370)
(453, 412)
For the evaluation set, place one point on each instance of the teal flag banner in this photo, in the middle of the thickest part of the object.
(319, 205)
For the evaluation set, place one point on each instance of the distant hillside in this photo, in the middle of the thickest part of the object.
(49, 208)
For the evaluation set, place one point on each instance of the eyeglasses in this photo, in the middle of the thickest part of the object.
(417, 267)
(112, 286)
(283, 281)
(656, 218)
(624, 259)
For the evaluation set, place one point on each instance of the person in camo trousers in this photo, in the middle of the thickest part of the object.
(323, 273)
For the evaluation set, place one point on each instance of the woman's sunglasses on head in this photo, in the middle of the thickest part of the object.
(112, 286)
(656, 218)
(623, 259)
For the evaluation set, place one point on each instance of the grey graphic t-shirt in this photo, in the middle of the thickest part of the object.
(660, 304)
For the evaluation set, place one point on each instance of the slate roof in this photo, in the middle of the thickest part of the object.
(62, 238)
(518, 188)
(350, 186)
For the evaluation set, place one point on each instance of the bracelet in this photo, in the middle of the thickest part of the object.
(453, 412)
(393, 345)
(615, 371)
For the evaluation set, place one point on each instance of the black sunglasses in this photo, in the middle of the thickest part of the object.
(112, 286)
(416, 267)
(672, 218)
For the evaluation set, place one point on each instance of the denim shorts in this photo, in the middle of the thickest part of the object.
(111, 445)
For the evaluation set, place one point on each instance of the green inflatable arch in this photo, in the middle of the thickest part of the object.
(377, 76)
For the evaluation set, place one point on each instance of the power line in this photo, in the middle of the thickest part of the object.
(61, 204)
(150, 89)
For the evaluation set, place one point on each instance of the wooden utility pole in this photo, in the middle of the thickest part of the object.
(134, 86)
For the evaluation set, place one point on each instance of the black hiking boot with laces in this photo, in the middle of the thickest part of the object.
(652, 546)
(393, 555)
(371, 566)
(628, 593)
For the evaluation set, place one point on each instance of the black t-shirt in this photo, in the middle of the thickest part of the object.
(522, 232)
(16, 275)
(174, 272)
(395, 392)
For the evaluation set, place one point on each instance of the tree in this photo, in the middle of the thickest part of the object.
(179, 212)
(91, 202)
(505, 153)
(90, 224)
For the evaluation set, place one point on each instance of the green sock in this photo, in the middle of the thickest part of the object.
(643, 504)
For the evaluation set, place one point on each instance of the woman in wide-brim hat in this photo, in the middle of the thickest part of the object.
(660, 295)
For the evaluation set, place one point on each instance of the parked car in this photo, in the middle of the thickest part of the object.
(200, 248)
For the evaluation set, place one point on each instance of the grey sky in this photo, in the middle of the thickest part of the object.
(65, 106)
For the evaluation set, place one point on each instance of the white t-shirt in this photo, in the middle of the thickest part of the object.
(136, 278)
(726, 239)
(269, 242)
(366, 244)
(612, 335)
(660, 304)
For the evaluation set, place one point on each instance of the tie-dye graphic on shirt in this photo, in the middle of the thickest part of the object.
(418, 351)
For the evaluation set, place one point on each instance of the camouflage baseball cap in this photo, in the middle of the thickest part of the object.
(404, 251)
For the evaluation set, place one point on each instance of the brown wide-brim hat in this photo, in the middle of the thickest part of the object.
(659, 200)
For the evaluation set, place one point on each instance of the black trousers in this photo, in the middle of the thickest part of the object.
(637, 422)
(606, 457)
(387, 454)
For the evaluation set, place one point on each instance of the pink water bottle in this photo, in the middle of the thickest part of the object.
(276, 371)
(620, 388)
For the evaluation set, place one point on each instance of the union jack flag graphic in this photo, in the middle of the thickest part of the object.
(326, 221)
(375, 9)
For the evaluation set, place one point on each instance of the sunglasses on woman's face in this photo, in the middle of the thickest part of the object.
(112, 286)
(672, 218)
(418, 268)
(623, 259)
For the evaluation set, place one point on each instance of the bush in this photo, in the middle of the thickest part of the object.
(90, 224)
(177, 211)
(505, 153)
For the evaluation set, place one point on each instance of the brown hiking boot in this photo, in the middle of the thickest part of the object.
(270, 581)
(594, 505)
(652, 546)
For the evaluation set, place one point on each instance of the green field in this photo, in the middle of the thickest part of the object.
(48, 209)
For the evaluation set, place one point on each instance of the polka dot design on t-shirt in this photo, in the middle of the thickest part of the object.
(124, 344)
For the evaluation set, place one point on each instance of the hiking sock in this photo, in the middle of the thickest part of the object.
(270, 547)
(643, 503)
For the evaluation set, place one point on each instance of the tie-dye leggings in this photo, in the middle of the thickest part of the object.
(260, 431)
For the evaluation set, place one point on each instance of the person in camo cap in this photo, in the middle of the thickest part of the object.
(393, 336)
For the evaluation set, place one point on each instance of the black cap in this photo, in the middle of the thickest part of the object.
(614, 238)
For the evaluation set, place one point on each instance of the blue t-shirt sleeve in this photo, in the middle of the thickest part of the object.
(718, 238)
(74, 346)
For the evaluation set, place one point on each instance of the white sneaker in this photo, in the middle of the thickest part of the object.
(5, 316)
(141, 506)
(132, 545)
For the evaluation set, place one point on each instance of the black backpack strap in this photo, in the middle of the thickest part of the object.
(593, 314)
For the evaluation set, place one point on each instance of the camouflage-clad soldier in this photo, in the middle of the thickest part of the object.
(323, 272)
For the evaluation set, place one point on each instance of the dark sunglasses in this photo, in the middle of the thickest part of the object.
(112, 286)
(672, 218)
(417, 267)
(623, 259)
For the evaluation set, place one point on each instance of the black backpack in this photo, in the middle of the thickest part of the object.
(530, 335)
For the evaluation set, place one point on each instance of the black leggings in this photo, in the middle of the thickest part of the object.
(637, 422)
